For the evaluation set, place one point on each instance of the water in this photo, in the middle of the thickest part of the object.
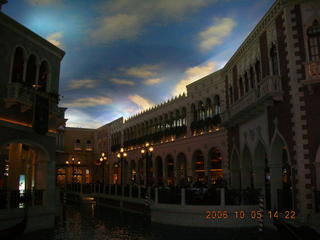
(86, 222)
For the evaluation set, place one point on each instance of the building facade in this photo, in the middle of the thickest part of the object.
(252, 124)
(29, 118)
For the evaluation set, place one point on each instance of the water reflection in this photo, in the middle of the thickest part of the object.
(87, 222)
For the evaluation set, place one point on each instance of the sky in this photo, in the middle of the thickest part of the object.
(123, 56)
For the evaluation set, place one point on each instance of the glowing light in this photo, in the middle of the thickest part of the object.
(118, 155)
(125, 154)
(122, 150)
(151, 149)
(143, 151)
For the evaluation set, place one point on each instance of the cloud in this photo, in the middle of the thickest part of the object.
(89, 102)
(77, 118)
(43, 2)
(122, 81)
(82, 83)
(126, 19)
(141, 102)
(54, 38)
(152, 81)
(193, 74)
(144, 71)
(214, 35)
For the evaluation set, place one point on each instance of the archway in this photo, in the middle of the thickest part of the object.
(159, 170)
(198, 166)
(235, 171)
(116, 173)
(280, 174)
(261, 173)
(141, 171)
(246, 169)
(170, 170)
(43, 76)
(23, 171)
(181, 168)
(215, 165)
(133, 171)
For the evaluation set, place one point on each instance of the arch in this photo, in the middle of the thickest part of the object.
(246, 168)
(215, 165)
(44, 76)
(116, 173)
(133, 171)
(235, 172)
(201, 109)
(141, 171)
(261, 172)
(274, 59)
(280, 173)
(181, 167)
(31, 70)
(198, 166)
(159, 170)
(170, 170)
(17, 69)
(217, 104)
(24, 166)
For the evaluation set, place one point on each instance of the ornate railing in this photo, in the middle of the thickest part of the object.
(269, 88)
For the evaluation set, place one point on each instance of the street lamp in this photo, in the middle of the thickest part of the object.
(121, 155)
(147, 153)
(73, 163)
(103, 159)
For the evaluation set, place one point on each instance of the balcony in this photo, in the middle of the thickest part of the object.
(77, 147)
(254, 102)
(312, 72)
(24, 96)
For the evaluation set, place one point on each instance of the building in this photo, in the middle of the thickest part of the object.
(29, 118)
(252, 124)
(75, 162)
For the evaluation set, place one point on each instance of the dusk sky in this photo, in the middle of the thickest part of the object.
(123, 56)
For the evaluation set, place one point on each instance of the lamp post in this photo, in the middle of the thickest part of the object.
(121, 155)
(73, 163)
(103, 158)
(147, 153)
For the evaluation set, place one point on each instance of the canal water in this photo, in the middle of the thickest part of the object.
(87, 222)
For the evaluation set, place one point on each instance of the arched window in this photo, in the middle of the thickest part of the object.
(31, 70)
(18, 66)
(246, 82)
(313, 33)
(231, 95)
(43, 76)
(201, 110)
(194, 112)
(274, 60)
(209, 110)
(258, 71)
(217, 104)
(252, 80)
(241, 86)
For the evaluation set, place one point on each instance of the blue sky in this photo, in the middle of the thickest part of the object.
(123, 56)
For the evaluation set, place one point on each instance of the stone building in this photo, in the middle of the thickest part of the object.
(29, 118)
(254, 123)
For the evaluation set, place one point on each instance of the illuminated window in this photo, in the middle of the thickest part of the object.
(314, 41)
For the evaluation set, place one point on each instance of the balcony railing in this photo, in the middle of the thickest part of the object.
(255, 100)
(77, 147)
(312, 72)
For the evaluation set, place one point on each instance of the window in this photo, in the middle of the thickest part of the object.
(314, 41)
(252, 80)
(241, 87)
(217, 104)
(246, 82)
(258, 71)
(43, 76)
(231, 95)
(274, 60)
(18, 66)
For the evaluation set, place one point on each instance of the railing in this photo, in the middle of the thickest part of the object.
(14, 198)
(270, 86)
(77, 147)
(173, 195)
